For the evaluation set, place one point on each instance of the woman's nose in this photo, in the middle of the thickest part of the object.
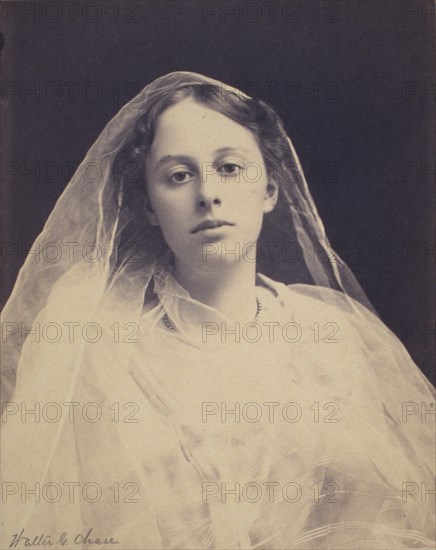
(209, 189)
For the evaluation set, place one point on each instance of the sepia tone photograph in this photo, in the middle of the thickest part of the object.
(218, 265)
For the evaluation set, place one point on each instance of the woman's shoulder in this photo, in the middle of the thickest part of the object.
(308, 304)
(306, 297)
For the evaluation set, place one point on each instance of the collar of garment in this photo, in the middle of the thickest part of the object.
(170, 293)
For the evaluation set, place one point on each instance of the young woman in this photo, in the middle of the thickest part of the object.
(204, 371)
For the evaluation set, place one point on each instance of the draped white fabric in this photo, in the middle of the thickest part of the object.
(309, 428)
(316, 453)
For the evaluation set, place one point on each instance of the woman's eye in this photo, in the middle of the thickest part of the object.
(181, 176)
(230, 168)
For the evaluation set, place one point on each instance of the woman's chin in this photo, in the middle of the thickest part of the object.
(215, 256)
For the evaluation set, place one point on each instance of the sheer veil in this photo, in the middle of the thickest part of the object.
(84, 233)
(94, 259)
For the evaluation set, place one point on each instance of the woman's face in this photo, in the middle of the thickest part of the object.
(207, 184)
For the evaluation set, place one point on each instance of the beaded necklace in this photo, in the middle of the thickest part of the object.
(170, 326)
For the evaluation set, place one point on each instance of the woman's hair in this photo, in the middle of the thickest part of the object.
(129, 166)
(252, 114)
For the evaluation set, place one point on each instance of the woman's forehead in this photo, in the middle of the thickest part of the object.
(190, 126)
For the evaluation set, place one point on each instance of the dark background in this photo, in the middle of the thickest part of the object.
(352, 81)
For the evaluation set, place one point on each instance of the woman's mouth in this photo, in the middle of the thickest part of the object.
(210, 224)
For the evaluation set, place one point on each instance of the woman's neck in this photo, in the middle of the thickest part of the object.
(228, 288)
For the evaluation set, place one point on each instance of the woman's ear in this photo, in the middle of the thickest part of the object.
(150, 213)
(271, 196)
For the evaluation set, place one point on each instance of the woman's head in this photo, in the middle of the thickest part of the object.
(200, 152)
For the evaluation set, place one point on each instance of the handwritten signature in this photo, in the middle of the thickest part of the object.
(42, 539)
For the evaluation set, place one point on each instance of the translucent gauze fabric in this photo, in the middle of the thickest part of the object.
(331, 440)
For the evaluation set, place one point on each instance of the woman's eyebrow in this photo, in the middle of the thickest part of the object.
(189, 160)
(231, 150)
(173, 158)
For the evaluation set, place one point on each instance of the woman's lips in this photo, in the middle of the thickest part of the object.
(210, 224)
